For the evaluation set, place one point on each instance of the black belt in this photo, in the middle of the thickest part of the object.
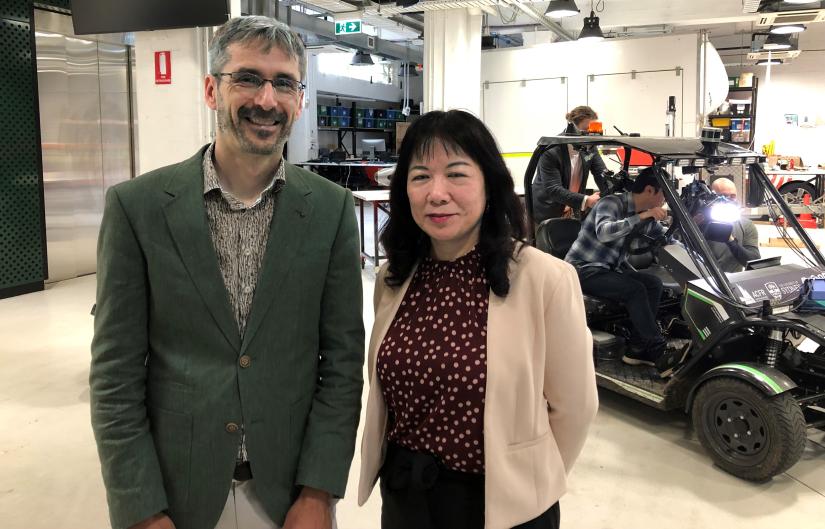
(243, 471)
(405, 469)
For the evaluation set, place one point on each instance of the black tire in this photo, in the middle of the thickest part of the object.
(772, 429)
(797, 190)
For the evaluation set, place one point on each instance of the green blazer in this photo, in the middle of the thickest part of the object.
(167, 382)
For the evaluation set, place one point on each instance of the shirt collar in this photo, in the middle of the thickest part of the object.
(211, 182)
(630, 206)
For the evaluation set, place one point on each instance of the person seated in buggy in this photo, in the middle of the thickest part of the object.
(600, 257)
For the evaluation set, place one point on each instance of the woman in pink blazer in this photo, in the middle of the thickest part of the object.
(480, 362)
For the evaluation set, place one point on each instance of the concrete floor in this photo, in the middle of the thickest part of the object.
(640, 468)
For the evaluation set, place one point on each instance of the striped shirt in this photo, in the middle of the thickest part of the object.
(601, 239)
(239, 234)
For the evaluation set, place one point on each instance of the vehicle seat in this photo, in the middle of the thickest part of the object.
(645, 263)
(556, 236)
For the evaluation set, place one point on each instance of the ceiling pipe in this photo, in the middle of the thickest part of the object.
(302, 23)
(541, 19)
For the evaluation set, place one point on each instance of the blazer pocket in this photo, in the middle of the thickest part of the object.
(535, 470)
(167, 395)
(527, 444)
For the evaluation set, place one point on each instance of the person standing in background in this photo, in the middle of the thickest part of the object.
(560, 181)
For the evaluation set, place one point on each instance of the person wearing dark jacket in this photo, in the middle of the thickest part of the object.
(559, 184)
(743, 245)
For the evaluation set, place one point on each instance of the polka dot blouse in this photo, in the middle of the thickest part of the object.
(432, 364)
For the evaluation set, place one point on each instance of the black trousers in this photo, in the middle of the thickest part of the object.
(417, 492)
(640, 293)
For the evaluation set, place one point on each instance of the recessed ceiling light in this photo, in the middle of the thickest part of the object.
(765, 62)
(786, 29)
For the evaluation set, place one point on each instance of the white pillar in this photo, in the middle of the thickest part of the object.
(303, 141)
(173, 120)
(452, 60)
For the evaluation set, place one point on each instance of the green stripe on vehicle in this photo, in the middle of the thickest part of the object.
(758, 374)
(700, 297)
(701, 334)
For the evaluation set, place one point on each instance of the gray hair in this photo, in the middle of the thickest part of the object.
(248, 30)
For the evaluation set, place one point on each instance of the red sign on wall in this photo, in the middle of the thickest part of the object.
(163, 67)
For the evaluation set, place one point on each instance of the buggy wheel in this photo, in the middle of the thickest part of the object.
(748, 434)
(794, 192)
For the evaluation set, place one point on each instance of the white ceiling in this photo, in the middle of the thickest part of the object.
(634, 13)
(721, 18)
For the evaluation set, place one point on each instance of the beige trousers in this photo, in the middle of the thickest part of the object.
(243, 510)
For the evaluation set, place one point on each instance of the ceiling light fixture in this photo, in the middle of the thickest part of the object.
(591, 32)
(787, 29)
(797, 2)
(766, 62)
(361, 58)
(777, 42)
(561, 9)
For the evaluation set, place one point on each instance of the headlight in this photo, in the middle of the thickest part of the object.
(725, 212)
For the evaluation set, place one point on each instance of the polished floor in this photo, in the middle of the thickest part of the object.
(640, 468)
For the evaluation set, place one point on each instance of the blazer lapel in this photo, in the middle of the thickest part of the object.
(288, 230)
(187, 221)
(384, 316)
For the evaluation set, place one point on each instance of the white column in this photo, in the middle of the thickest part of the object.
(303, 141)
(173, 120)
(452, 60)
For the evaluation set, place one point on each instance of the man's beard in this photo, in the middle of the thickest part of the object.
(274, 144)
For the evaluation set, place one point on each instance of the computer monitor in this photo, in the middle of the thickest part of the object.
(370, 147)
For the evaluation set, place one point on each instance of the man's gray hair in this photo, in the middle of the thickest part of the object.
(251, 30)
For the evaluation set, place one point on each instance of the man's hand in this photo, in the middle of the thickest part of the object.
(658, 214)
(591, 200)
(158, 521)
(310, 511)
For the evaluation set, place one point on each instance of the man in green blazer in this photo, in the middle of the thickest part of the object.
(227, 356)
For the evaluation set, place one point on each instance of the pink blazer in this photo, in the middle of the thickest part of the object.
(540, 395)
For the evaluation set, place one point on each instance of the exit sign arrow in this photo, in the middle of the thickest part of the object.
(348, 27)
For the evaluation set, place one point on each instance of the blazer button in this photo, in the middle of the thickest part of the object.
(232, 427)
(245, 361)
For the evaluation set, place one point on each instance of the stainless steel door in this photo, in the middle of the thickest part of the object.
(84, 123)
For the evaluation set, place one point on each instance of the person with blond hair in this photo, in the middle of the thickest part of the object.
(560, 181)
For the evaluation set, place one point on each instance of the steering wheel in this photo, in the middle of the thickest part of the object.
(644, 243)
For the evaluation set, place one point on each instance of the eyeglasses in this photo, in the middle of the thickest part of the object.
(250, 81)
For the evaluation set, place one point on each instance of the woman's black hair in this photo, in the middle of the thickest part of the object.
(502, 223)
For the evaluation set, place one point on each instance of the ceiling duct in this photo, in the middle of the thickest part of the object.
(775, 54)
(327, 48)
(777, 12)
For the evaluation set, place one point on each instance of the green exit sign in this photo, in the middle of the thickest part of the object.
(347, 26)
